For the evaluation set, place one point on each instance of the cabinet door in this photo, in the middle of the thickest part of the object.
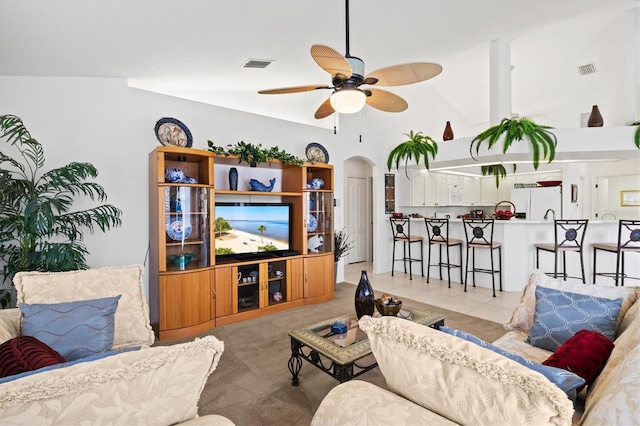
(319, 222)
(418, 188)
(275, 281)
(488, 191)
(224, 278)
(296, 278)
(440, 189)
(185, 300)
(471, 189)
(504, 191)
(318, 276)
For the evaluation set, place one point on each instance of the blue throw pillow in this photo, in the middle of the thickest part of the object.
(565, 380)
(560, 314)
(74, 329)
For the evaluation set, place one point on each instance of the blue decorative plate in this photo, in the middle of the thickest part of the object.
(177, 230)
(172, 132)
(312, 223)
(317, 153)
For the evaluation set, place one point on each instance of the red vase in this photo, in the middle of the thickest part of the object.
(448, 132)
(595, 119)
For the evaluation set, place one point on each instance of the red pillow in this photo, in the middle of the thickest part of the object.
(26, 353)
(585, 354)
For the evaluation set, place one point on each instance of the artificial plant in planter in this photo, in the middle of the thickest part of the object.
(38, 229)
(341, 247)
(255, 154)
(417, 147)
(543, 142)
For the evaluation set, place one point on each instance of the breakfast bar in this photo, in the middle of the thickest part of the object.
(518, 238)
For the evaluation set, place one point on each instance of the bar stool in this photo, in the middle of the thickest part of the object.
(628, 241)
(401, 230)
(438, 233)
(479, 235)
(569, 237)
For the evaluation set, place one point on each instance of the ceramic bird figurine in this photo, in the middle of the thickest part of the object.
(256, 185)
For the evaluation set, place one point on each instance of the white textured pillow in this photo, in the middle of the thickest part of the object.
(460, 380)
(132, 326)
(522, 316)
(9, 324)
(153, 386)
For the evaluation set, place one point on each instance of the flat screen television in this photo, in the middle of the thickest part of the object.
(252, 230)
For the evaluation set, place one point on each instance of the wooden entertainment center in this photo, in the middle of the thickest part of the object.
(189, 290)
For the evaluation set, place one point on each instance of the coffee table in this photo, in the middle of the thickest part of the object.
(338, 354)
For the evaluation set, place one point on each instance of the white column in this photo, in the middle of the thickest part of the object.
(631, 82)
(499, 81)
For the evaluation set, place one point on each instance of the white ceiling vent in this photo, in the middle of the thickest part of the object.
(257, 63)
(587, 69)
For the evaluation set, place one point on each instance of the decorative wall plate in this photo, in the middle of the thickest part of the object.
(316, 152)
(312, 223)
(172, 132)
(178, 230)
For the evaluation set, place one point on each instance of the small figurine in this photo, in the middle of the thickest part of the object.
(256, 185)
(314, 243)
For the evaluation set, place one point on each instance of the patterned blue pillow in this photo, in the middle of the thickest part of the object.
(74, 329)
(561, 314)
(565, 380)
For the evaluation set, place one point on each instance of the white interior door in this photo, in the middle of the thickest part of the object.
(357, 212)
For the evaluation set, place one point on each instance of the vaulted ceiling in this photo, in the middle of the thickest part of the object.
(196, 49)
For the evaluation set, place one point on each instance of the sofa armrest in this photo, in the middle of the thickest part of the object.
(361, 403)
(158, 385)
(9, 324)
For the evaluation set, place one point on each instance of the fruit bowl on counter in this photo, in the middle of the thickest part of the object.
(505, 213)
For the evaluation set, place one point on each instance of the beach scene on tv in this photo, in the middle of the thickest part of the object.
(251, 228)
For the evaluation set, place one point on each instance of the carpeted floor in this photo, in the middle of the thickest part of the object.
(252, 384)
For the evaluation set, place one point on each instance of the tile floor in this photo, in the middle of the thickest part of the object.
(477, 301)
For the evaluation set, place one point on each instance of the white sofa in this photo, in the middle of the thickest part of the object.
(437, 378)
(149, 386)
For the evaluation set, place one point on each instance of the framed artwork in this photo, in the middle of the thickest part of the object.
(630, 198)
(389, 192)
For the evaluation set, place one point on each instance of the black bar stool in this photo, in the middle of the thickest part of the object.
(401, 229)
(628, 241)
(569, 237)
(438, 233)
(479, 235)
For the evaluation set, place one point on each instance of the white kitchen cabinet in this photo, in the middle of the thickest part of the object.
(428, 189)
(490, 195)
(471, 189)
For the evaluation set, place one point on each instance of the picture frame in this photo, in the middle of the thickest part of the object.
(630, 198)
(389, 193)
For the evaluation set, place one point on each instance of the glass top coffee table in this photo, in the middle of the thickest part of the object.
(337, 354)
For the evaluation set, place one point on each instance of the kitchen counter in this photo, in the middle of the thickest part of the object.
(518, 237)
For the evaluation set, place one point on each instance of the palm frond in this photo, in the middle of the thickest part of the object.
(417, 147)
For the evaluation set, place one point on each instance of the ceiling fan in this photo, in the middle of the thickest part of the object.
(347, 77)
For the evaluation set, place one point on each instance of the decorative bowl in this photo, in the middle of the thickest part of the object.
(388, 310)
(182, 260)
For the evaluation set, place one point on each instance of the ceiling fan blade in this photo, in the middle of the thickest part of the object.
(399, 75)
(330, 60)
(386, 101)
(324, 110)
(293, 89)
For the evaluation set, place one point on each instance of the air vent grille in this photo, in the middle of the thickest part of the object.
(587, 69)
(257, 63)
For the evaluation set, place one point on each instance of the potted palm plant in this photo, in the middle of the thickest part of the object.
(417, 147)
(543, 142)
(341, 247)
(39, 231)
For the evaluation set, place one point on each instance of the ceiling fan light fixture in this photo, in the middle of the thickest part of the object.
(348, 101)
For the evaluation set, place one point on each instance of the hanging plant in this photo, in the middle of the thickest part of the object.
(543, 142)
(636, 135)
(255, 154)
(418, 146)
(496, 170)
